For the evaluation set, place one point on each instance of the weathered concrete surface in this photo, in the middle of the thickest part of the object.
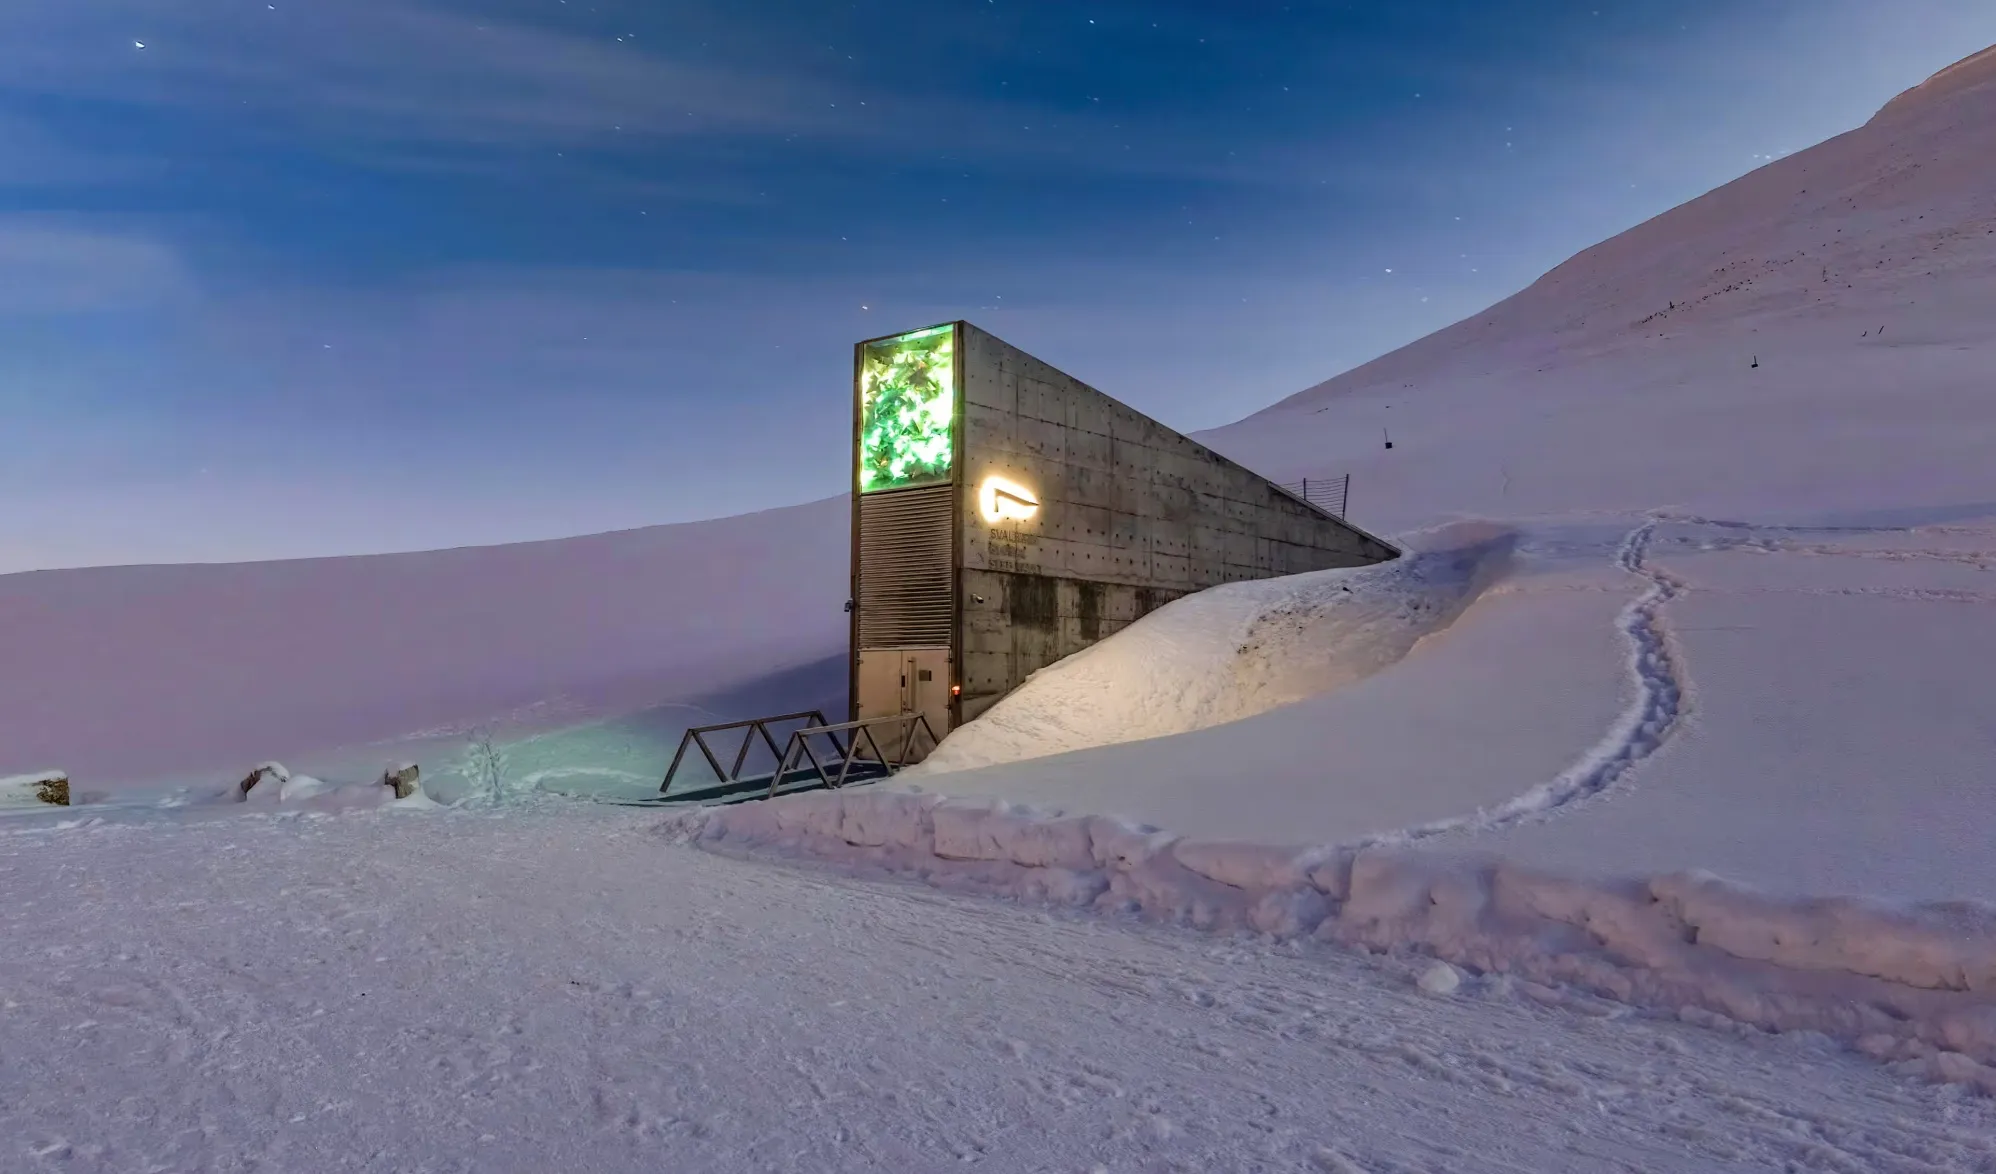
(1131, 515)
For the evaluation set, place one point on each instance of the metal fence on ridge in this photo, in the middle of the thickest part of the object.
(1329, 494)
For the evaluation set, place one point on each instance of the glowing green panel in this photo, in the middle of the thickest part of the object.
(907, 397)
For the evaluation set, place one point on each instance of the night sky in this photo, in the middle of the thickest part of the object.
(335, 276)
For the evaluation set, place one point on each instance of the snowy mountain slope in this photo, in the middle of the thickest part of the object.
(1857, 274)
(138, 673)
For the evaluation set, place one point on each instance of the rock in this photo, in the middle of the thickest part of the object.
(49, 787)
(273, 771)
(405, 779)
(1440, 979)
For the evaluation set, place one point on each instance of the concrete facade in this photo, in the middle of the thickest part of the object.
(1109, 515)
(1131, 516)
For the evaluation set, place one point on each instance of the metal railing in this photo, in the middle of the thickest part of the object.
(846, 756)
(1329, 494)
(697, 736)
(800, 741)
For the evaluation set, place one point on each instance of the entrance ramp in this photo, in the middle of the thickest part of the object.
(808, 753)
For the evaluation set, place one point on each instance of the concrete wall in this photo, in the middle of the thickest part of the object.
(1132, 515)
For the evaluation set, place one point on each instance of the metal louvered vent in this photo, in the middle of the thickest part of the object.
(905, 568)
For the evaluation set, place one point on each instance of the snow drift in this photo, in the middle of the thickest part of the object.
(1233, 651)
(1914, 984)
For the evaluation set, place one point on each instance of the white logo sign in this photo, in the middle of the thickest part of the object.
(1006, 501)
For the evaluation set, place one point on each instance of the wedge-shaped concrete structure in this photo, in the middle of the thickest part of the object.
(1006, 515)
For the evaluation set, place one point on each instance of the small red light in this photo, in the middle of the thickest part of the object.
(956, 690)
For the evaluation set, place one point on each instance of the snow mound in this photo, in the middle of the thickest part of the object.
(1909, 983)
(1234, 651)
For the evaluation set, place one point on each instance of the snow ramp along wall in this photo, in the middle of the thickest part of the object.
(1007, 515)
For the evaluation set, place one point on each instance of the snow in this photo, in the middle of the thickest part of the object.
(1922, 977)
(1235, 651)
(569, 991)
(1529, 676)
(187, 674)
(1440, 979)
(1855, 272)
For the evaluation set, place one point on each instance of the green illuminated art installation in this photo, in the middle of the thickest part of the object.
(907, 395)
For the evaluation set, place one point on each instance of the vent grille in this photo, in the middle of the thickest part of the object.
(906, 573)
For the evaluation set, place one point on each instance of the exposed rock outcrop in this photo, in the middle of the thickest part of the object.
(50, 787)
(405, 779)
(274, 772)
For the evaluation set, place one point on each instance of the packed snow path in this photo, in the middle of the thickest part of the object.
(564, 990)
(1657, 689)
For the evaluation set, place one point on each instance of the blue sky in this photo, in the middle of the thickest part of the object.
(335, 276)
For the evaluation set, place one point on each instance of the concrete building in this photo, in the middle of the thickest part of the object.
(1007, 515)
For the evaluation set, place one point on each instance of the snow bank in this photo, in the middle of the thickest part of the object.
(1911, 984)
(1236, 650)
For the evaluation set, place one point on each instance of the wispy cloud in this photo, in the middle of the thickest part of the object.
(33, 157)
(410, 85)
(384, 70)
(57, 268)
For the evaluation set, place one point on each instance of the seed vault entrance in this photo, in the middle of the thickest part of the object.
(1006, 515)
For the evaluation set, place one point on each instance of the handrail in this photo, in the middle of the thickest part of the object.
(800, 740)
(845, 754)
(697, 736)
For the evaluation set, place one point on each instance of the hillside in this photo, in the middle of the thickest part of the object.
(153, 673)
(1855, 273)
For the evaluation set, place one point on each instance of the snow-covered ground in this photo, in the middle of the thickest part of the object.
(1806, 710)
(563, 990)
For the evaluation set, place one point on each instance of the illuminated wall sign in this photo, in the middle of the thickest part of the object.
(907, 398)
(1006, 501)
